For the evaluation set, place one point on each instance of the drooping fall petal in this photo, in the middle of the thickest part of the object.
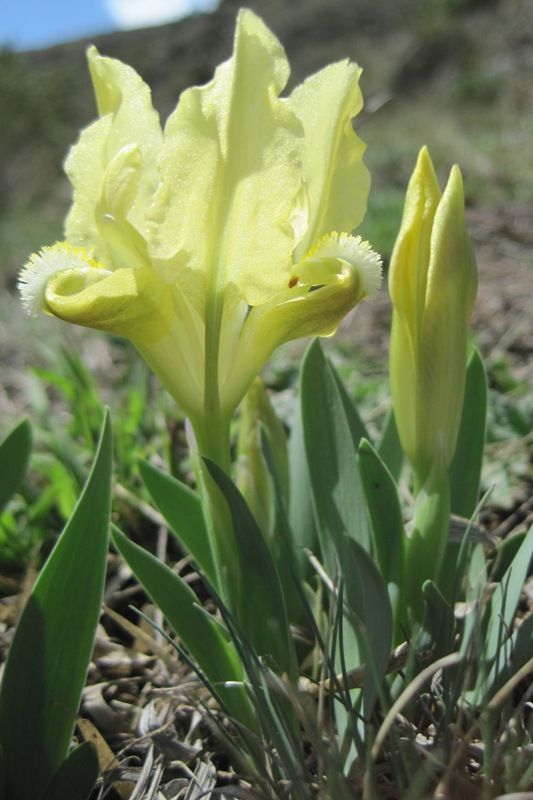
(337, 274)
(64, 281)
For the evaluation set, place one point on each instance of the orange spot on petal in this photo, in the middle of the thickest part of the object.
(293, 281)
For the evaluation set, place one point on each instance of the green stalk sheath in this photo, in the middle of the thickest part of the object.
(426, 546)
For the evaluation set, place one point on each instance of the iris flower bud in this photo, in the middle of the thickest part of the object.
(432, 283)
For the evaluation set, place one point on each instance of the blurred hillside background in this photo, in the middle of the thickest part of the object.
(456, 75)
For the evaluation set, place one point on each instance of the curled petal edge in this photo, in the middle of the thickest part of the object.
(66, 282)
(338, 273)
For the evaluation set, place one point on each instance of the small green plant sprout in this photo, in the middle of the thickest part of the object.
(15, 450)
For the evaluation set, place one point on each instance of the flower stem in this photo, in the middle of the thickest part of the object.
(218, 449)
(212, 434)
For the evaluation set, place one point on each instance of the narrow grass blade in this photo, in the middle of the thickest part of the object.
(367, 598)
(506, 553)
(15, 452)
(357, 426)
(408, 694)
(502, 610)
(388, 534)
(47, 663)
(182, 509)
(301, 514)
(76, 776)
(465, 469)
(283, 548)
(281, 746)
(202, 636)
(439, 619)
(390, 448)
(519, 650)
(262, 611)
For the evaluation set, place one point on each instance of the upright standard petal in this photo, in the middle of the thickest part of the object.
(230, 168)
(127, 121)
(336, 179)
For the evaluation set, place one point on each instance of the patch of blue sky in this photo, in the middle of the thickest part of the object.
(32, 24)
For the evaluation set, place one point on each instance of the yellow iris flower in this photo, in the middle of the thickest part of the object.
(433, 284)
(210, 243)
